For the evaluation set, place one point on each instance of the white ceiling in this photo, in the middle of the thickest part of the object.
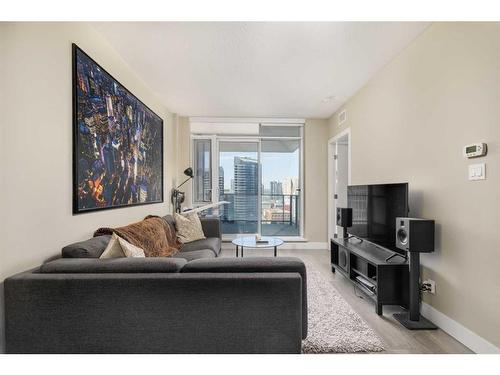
(249, 69)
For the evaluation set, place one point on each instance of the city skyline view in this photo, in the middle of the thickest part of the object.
(238, 184)
(276, 167)
(268, 203)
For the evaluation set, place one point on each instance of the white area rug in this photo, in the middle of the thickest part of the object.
(334, 327)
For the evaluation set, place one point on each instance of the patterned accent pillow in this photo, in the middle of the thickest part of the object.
(119, 248)
(188, 227)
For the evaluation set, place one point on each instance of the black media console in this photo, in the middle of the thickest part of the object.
(365, 265)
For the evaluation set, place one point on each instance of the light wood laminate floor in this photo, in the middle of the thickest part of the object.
(397, 339)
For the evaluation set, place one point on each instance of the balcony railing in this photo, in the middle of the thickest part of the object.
(279, 214)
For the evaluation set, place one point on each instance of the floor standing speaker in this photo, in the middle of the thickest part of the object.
(415, 236)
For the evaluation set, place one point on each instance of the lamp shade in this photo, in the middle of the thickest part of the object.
(188, 172)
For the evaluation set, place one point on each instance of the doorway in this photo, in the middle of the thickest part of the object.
(339, 177)
(238, 179)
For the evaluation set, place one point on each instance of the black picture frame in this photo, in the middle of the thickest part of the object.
(76, 207)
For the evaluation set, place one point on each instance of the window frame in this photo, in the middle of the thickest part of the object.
(215, 138)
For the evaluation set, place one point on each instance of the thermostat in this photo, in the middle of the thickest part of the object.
(475, 150)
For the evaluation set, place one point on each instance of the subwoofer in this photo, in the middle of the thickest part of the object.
(343, 259)
(415, 235)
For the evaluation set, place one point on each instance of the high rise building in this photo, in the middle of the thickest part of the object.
(226, 209)
(290, 185)
(207, 186)
(221, 181)
(276, 188)
(246, 187)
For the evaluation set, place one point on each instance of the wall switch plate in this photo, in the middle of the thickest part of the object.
(477, 172)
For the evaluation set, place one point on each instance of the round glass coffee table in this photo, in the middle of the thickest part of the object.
(249, 241)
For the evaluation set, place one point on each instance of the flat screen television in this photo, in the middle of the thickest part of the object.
(374, 212)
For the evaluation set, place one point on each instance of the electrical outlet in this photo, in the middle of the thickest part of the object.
(429, 286)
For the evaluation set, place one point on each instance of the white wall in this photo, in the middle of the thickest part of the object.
(36, 142)
(184, 157)
(409, 123)
(316, 180)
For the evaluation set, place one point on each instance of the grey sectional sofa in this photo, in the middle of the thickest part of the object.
(195, 302)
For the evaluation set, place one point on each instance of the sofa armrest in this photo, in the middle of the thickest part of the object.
(211, 227)
(255, 265)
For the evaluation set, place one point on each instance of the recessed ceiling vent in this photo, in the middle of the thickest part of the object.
(342, 117)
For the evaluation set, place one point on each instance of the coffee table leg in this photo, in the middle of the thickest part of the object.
(236, 251)
(242, 251)
(276, 251)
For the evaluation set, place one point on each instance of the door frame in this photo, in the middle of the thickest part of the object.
(213, 153)
(332, 168)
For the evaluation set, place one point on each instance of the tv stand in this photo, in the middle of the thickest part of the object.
(405, 257)
(366, 266)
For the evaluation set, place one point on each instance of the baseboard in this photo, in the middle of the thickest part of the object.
(289, 246)
(305, 245)
(470, 339)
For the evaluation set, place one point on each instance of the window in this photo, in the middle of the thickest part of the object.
(202, 170)
(280, 161)
(279, 131)
(260, 176)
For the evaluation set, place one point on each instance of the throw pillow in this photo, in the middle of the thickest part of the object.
(119, 248)
(188, 227)
(113, 250)
(131, 251)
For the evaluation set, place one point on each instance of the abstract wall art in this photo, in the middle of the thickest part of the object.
(117, 142)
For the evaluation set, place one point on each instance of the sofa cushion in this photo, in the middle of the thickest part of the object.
(258, 265)
(114, 265)
(248, 264)
(211, 226)
(195, 254)
(91, 248)
(211, 243)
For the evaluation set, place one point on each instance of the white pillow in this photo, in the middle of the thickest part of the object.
(188, 227)
(131, 251)
(119, 248)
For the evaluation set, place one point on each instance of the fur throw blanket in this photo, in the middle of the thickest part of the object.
(153, 234)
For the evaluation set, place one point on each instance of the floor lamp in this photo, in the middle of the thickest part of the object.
(177, 197)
